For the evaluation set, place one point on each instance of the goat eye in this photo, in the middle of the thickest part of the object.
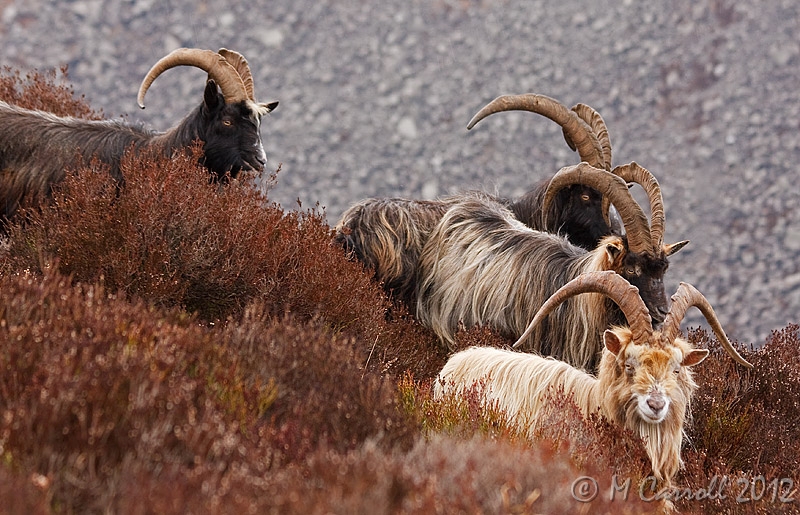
(585, 197)
(227, 122)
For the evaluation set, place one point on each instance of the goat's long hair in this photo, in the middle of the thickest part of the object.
(482, 266)
(520, 383)
(37, 148)
(576, 212)
(387, 236)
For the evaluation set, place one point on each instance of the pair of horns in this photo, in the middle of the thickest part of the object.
(642, 236)
(227, 68)
(626, 296)
(583, 127)
(585, 131)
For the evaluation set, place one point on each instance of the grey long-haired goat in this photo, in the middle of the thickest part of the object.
(481, 266)
(37, 147)
(643, 384)
(387, 234)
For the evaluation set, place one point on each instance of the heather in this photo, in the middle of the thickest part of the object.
(174, 345)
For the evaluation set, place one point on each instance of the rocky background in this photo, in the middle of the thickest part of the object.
(375, 98)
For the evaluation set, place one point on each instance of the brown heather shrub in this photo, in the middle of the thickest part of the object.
(745, 426)
(442, 475)
(23, 494)
(463, 415)
(326, 394)
(39, 90)
(91, 381)
(169, 236)
(174, 239)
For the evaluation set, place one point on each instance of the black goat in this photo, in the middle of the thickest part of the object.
(36, 147)
(387, 235)
(480, 265)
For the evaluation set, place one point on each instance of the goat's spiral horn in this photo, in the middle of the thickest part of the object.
(218, 68)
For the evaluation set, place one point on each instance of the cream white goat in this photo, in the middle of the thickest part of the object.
(644, 381)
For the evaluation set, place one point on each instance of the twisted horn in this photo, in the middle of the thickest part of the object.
(612, 187)
(238, 61)
(598, 125)
(577, 132)
(633, 172)
(219, 69)
(610, 284)
(686, 297)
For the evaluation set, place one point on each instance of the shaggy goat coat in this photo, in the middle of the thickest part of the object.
(387, 236)
(481, 266)
(519, 383)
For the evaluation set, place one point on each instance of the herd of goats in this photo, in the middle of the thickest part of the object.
(573, 271)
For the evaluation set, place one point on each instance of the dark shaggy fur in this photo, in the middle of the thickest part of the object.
(481, 266)
(576, 212)
(36, 148)
(387, 234)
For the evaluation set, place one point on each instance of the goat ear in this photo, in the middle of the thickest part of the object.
(694, 356)
(269, 106)
(675, 247)
(211, 97)
(613, 250)
(612, 342)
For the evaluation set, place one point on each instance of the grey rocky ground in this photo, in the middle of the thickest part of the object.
(375, 97)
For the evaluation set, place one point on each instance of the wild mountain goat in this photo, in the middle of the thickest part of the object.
(37, 147)
(482, 266)
(387, 235)
(643, 384)
(577, 210)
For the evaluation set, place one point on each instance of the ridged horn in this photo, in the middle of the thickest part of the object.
(633, 172)
(577, 132)
(238, 61)
(598, 125)
(610, 284)
(215, 65)
(686, 297)
(612, 187)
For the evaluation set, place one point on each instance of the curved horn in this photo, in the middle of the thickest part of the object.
(238, 61)
(633, 172)
(612, 187)
(577, 132)
(598, 125)
(219, 69)
(686, 297)
(610, 284)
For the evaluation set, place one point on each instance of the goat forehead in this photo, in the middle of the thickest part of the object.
(655, 361)
(654, 266)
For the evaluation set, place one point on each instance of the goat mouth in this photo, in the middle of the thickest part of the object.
(653, 419)
(252, 165)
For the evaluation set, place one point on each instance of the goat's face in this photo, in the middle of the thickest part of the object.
(577, 212)
(646, 272)
(232, 133)
(650, 380)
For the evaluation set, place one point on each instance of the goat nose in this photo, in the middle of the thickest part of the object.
(656, 403)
